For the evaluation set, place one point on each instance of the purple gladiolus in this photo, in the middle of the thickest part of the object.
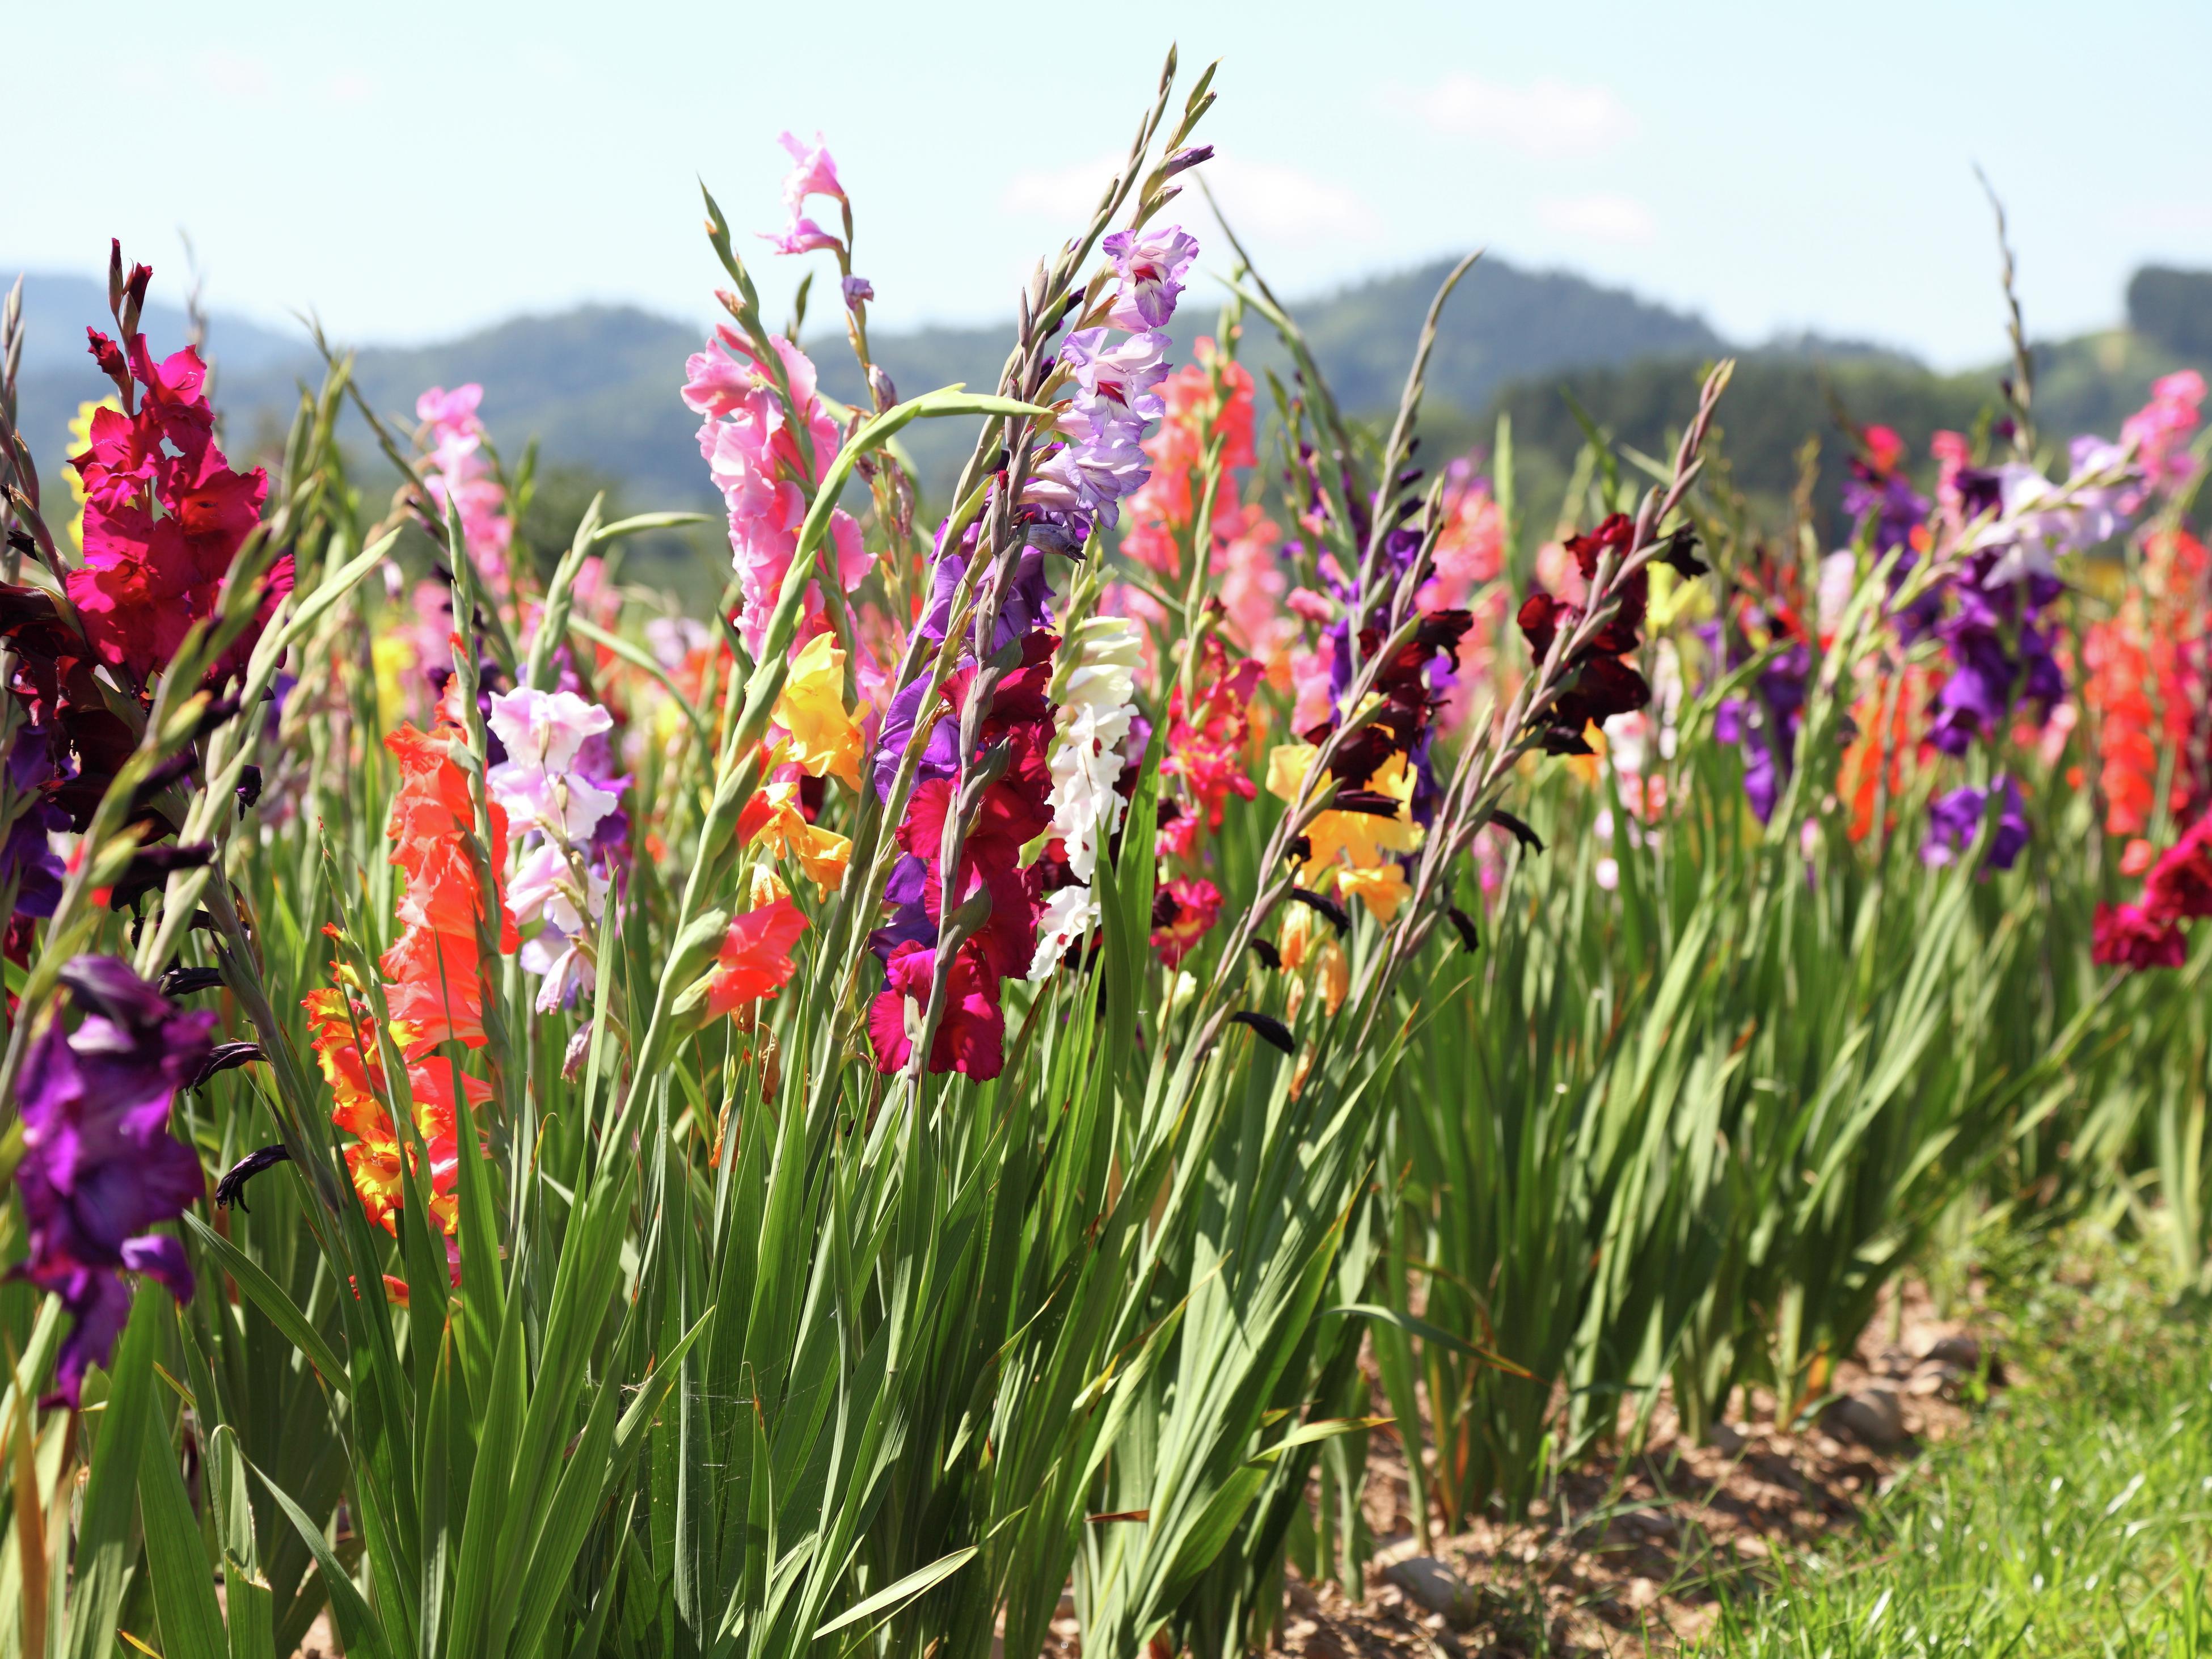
(1151, 267)
(1954, 820)
(100, 1169)
(1118, 382)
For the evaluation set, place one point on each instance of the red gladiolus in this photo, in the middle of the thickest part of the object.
(2129, 936)
(1601, 683)
(2179, 886)
(343, 1039)
(1207, 738)
(437, 970)
(1184, 913)
(755, 960)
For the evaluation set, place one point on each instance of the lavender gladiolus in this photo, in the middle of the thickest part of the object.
(100, 1169)
(1151, 267)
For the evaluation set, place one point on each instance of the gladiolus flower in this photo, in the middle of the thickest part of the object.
(2180, 887)
(1150, 266)
(750, 442)
(1184, 913)
(164, 516)
(100, 1169)
(813, 171)
(1382, 889)
(2129, 936)
(754, 960)
(824, 741)
(772, 819)
(970, 1037)
(1955, 819)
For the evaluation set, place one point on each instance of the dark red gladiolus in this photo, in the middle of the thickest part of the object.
(2180, 885)
(2129, 936)
(1601, 681)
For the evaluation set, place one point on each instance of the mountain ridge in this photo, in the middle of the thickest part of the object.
(597, 384)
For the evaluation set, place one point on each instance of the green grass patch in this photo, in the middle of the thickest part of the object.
(2075, 1517)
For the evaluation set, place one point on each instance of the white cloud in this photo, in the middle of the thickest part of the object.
(2166, 218)
(1286, 205)
(351, 88)
(232, 75)
(1547, 117)
(1266, 200)
(1602, 218)
(1065, 192)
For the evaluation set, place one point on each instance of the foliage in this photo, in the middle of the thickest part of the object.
(830, 1116)
(2070, 1520)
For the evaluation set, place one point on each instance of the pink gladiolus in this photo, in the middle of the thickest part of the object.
(801, 235)
(2162, 427)
(752, 450)
(1316, 704)
(458, 474)
(814, 172)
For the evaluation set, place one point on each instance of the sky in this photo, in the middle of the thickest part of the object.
(409, 172)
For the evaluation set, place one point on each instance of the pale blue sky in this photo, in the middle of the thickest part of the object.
(412, 170)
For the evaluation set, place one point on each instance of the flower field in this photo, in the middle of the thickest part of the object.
(1005, 1060)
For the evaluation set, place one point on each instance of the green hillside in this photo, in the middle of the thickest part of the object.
(597, 384)
(1779, 399)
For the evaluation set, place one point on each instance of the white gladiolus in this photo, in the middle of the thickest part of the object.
(554, 811)
(1094, 692)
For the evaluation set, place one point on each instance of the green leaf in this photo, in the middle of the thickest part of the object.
(106, 1551)
(893, 1597)
(176, 1564)
(358, 1630)
(1413, 1325)
(269, 1296)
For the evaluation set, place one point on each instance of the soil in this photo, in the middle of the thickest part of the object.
(1624, 1561)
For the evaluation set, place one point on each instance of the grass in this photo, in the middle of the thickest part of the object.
(2076, 1518)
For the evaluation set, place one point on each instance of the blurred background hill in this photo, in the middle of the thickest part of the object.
(596, 385)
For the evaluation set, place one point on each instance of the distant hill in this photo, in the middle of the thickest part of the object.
(597, 384)
(1779, 398)
(1502, 323)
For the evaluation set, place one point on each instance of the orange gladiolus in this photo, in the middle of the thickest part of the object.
(436, 985)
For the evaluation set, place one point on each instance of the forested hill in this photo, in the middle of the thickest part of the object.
(597, 384)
